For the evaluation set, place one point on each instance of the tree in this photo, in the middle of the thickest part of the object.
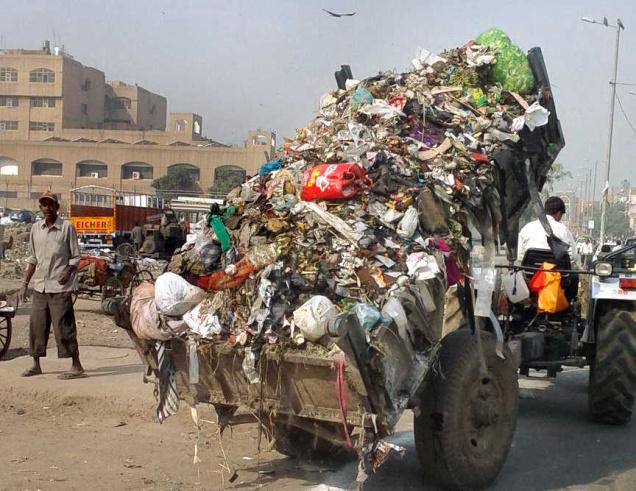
(227, 178)
(176, 180)
(616, 221)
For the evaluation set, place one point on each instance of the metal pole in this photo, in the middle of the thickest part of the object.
(594, 192)
(609, 137)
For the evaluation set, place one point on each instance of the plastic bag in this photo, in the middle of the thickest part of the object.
(334, 181)
(514, 284)
(362, 96)
(368, 316)
(270, 166)
(408, 225)
(511, 69)
(232, 276)
(539, 278)
(203, 321)
(313, 317)
(548, 285)
(551, 297)
(144, 315)
(175, 296)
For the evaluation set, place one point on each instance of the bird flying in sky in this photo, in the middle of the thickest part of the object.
(333, 14)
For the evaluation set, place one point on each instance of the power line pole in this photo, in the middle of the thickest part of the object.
(604, 201)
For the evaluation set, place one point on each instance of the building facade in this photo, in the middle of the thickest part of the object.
(62, 125)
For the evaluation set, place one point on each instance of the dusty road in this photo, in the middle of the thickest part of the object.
(99, 433)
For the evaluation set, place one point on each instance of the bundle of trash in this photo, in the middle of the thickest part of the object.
(371, 207)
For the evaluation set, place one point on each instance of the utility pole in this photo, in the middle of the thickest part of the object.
(608, 160)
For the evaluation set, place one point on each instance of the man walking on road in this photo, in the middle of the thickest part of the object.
(53, 260)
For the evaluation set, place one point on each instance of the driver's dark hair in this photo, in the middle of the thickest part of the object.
(553, 205)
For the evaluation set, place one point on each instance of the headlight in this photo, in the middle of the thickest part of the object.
(603, 269)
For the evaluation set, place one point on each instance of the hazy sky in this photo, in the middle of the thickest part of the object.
(247, 64)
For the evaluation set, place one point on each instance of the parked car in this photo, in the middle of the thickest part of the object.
(23, 216)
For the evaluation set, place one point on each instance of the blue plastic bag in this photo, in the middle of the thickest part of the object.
(270, 166)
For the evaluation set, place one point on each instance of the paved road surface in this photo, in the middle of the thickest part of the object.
(555, 447)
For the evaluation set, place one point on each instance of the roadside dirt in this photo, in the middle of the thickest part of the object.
(99, 432)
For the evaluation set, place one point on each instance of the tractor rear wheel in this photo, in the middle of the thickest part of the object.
(613, 369)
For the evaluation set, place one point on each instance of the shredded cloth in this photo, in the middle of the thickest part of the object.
(168, 397)
(342, 401)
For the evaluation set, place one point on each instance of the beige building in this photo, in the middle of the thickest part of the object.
(62, 125)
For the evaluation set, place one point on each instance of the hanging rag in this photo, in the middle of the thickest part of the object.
(167, 393)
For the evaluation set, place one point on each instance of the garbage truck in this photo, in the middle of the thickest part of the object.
(326, 319)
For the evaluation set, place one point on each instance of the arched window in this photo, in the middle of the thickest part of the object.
(91, 168)
(42, 75)
(46, 167)
(193, 171)
(136, 170)
(8, 74)
(8, 166)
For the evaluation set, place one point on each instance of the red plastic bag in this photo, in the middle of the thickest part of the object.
(538, 280)
(220, 280)
(334, 181)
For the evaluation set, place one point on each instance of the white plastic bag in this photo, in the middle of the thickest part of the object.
(407, 226)
(202, 320)
(515, 287)
(174, 296)
(312, 317)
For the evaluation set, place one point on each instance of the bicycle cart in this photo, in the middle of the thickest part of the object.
(7, 312)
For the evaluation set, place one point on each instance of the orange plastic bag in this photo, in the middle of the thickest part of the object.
(551, 296)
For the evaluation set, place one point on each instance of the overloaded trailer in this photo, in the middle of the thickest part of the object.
(344, 392)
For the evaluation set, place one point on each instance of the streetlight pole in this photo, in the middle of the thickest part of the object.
(619, 25)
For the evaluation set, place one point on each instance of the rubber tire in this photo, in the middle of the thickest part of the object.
(613, 369)
(4, 348)
(444, 447)
(299, 444)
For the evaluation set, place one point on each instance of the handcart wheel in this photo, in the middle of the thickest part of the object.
(5, 335)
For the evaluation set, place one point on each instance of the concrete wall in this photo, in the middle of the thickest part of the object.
(147, 110)
(82, 85)
(114, 157)
(151, 110)
(24, 90)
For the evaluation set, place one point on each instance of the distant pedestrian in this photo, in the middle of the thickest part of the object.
(53, 259)
(138, 236)
(587, 250)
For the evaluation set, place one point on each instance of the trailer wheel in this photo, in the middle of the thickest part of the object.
(465, 424)
(613, 369)
(299, 444)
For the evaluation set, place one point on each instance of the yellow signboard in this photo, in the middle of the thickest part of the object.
(94, 225)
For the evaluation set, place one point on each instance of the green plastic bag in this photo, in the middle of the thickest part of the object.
(512, 69)
(215, 222)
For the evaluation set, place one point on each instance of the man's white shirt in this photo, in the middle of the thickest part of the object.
(533, 236)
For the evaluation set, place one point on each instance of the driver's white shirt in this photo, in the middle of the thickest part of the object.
(533, 236)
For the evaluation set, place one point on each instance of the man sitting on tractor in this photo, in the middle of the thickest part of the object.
(533, 236)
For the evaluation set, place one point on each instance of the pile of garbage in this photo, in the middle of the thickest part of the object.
(14, 250)
(371, 209)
